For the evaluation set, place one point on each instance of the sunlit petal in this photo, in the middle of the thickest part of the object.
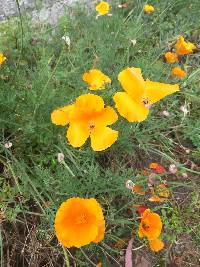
(132, 82)
(77, 134)
(102, 138)
(129, 109)
(155, 91)
(61, 116)
(107, 117)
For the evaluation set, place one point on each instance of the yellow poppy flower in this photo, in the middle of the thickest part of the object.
(171, 57)
(183, 47)
(88, 117)
(96, 79)
(178, 72)
(150, 225)
(103, 8)
(2, 58)
(79, 222)
(148, 9)
(140, 94)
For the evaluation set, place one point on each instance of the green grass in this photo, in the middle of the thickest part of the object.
(41, 74)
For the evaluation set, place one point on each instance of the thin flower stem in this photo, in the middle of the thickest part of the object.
(67, 167)
(66, 257)
(87, 257)
(47, 83)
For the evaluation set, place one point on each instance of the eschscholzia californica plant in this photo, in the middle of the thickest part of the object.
(134, 104)
(96, 79)
(148, 9)
(79, 222)
(178, 72)
(183, 47)
(151, 227)
(88, 117)
(2, 58)
(103, 8)
(171, 57)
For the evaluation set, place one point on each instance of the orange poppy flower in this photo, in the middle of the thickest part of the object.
(157, 168)
(79, 222)
(102, 8)
(171, 57)
(88, 117)
(99, 264)
(150, 225)
(2, 58)
(178, 72)
(148, 9)
(96, 79)
(156, 245)
(140, 94)
(183, 47)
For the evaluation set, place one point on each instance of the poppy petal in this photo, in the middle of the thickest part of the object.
(89, 103)
(101, 232)
(107, 117)
(77, 134)
(156, 245)
(130, 109)
(132, 82)
(155, 91)
(61, 116)
(102, 138)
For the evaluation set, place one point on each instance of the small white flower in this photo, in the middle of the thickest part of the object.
(67, 40)
(165, 113)
(172, 168)
(60, 157)
(8, 145)
(133, 41)
(129, 184)
(184, 109)
(109, 15)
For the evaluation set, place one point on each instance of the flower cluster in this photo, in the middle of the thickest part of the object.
(88, 116)
(181, 48)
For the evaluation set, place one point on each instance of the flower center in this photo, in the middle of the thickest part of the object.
(91, 126)
(145, 226)
(81, 219)
(147, 103)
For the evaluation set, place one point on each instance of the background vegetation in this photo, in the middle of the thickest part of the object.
(40, 74)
